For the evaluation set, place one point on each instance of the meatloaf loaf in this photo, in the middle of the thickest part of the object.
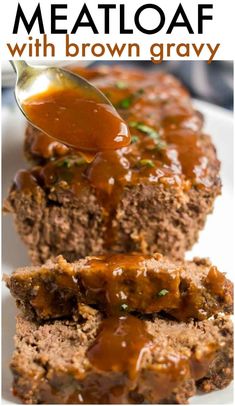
(119, 284)
(153, 195)
(162, 361)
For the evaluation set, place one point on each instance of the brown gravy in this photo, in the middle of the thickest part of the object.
(164, 127)
(120, 345)
(124, 283)
(166, 141)
(73, 118)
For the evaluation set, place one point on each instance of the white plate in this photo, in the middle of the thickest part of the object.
(215, 239)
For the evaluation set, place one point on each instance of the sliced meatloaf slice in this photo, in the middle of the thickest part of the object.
(152, 196)
(119, 284)
(60, 362)
(148, 219)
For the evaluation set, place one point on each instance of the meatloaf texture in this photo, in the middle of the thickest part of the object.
(119, 284)
(56, 362)
(152, 196)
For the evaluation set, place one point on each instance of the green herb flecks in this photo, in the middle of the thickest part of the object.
(65, 163)
(134, 139)
(121, 85)
(80, 161)
(163, 292)
(125, 103)
(161, 145)
(68, 163)
(157, 146)
(151, 132)
(147, 162)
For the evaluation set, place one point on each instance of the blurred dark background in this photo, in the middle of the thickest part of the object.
(212, 83)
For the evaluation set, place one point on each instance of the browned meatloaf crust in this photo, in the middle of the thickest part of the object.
(50, 362)
(158, 201)
(119, 284)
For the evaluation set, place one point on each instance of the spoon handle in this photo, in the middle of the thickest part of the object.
(19, 66)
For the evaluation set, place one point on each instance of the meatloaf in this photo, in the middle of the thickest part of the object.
(119, 284)
(162, 361)
(152, 196)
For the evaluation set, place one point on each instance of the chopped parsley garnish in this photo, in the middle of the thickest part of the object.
(134, 139)
(161, 145)
(133, 124)
(124, 307)
(151, 132)
(80, 161)
(121, 85)
(147, 162)
(163, 292)
(66, 163)
(125, 103)
(158, 146)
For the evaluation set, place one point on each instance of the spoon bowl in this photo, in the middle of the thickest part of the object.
(69, 109)
(32, 80)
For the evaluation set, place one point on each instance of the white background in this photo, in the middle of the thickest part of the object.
(219, 30)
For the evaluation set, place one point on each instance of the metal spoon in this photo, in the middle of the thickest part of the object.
(33, 80)
(93, 125)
